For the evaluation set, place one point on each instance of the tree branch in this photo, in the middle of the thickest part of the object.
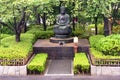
(4, 24)
(23, 17)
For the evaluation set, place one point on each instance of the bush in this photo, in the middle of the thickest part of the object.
(99, 55)
(94, 40)
(40, 33)
(10, 49)
(79, 32)
(81, 63)
(116, 29)
(109, 45)
(4, 36)
(100, 29)
(6, 30)
(38, 63)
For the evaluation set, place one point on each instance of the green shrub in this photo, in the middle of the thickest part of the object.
(109, 45)
(100, 29)
(79, 32)
(116, 29)
(94, 40)
(99, 55)
(6, 30)
(4, 36)
(10, 49)
(38, 63)
(81, 63)
(41, 34)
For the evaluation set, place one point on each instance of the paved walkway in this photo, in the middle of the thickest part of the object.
(59, 78)
(59, 67)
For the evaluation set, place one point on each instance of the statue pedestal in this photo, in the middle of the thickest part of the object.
(64, 40)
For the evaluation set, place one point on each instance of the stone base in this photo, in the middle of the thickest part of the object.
(57, 51)
(64, 40)
(105, 70)
(13, 70)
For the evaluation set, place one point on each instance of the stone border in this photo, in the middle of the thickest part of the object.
(105, 70)
(13, 70)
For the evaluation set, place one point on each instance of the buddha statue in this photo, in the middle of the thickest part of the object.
(62, 28)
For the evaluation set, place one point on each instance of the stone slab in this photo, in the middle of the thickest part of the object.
(105, 70)
(93, 70)
(60, 67)
(13, 71)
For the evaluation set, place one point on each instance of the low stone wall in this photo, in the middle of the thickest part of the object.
(105, 70)
(13, 70)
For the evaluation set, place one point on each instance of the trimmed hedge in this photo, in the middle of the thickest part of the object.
(38, 63)
(81, 63)
(10, 49)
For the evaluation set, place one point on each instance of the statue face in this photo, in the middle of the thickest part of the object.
(62, 10)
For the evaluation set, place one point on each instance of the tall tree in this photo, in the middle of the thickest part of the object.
(13, 15)
(95, 8)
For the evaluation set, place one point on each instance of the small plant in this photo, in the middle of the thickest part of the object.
(38, 63)
(81, 63)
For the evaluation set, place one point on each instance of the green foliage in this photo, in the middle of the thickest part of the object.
(116, 29)
(38, 63)
(99, 55)
(97, 7)
(4, 36)
(13, 50)
(109, 45)
(94, 40)
(91, 26)
(6, 30)
(78, 32)
(81, 63)
(39, 33)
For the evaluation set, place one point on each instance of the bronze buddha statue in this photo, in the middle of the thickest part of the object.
(62, 28)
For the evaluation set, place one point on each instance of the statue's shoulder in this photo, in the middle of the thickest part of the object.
(67, 15)
(58, 15)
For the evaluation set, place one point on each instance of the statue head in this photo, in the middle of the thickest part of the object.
(62, 9)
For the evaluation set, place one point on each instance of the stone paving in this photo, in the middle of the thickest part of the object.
(60, 67)
(60, 78)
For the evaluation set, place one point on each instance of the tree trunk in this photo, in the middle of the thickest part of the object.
(44, 21)
(96, 29)
(106, 26)
(17, 36)
(25, 27)
(73, 24)
(38, 19)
